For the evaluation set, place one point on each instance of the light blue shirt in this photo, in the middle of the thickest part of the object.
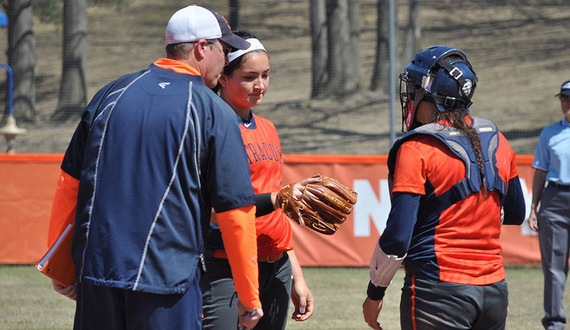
(552, 153)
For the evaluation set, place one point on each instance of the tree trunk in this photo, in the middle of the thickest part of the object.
(413, 32)
(352, 65)
(234, 14)
(73, 88)
(339, 51)
(22, 58)
(319, 37)
(380, 79)
(335, 34)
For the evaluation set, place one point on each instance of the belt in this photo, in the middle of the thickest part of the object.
(218, 253)
(559, 186)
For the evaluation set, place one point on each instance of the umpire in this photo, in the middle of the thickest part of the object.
(550, 210)
(154, 152)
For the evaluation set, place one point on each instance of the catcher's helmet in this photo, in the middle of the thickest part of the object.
(449, 84)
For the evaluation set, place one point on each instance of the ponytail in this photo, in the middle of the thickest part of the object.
(457, 119)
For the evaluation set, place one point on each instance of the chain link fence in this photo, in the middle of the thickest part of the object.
(519, 49)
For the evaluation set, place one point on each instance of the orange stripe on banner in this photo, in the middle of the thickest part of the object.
(26, 158)
(524, 159)
(339, 159)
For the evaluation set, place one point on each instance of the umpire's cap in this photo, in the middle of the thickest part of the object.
(564, 89)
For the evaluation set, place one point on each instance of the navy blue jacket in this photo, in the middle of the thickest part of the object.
(154, 152)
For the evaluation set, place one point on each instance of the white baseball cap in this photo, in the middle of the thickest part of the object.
(193, 23)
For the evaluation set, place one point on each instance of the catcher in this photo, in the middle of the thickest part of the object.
(451, 175)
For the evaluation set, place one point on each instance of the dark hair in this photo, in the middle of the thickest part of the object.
(244, 34)
(233, 65)
(457, 119)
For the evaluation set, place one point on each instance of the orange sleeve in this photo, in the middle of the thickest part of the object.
(64, 206)
(240, 241)
(410, 173)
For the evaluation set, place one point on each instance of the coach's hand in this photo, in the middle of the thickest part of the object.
(248, 317)
(371, 309)
(69, 291)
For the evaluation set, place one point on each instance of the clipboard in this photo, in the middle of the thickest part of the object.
(57, 263)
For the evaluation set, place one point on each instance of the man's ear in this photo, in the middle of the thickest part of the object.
(200, 49)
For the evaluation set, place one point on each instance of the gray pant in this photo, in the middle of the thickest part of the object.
(554, 237)
(428, 304)
(220, 299)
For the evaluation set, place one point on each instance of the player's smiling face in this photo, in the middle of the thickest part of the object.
(246, 86)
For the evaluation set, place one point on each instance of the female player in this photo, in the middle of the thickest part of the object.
(242, 85)
(451, 175)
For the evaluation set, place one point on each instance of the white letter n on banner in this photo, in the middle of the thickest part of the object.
(369, 206)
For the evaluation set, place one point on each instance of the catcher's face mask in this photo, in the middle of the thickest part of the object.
(411, 94)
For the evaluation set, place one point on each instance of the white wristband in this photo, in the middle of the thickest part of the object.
(383, 267)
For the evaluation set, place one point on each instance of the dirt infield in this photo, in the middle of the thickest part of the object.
(519, 50)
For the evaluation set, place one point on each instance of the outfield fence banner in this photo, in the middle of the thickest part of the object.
(28, 182)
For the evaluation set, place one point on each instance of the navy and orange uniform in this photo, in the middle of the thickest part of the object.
(154, 152)
(263, 148)
(459, 241)
(274, 239)
(446, 226)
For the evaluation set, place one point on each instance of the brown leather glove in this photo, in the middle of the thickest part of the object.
(322, 207)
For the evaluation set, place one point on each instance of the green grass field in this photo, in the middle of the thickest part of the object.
(28, 301)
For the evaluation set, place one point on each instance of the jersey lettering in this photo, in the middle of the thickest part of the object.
(257, 152)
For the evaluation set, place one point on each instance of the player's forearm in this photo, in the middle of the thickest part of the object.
(514, 205)
(375, 292)
(537, 186)
(238, 233)
(383, 267)
(395, 239)
(295, 266)
(265, 204)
